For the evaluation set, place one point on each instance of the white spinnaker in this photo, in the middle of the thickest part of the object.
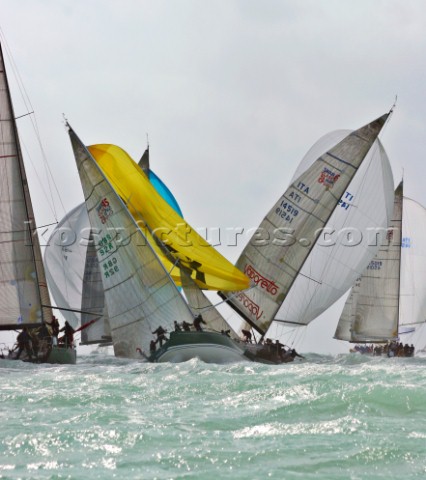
(412, 309)
(64, 259)
(139, 293)
(377, 308)
(339, 257)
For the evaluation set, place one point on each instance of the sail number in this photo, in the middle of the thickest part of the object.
(375, 265)
(105, 244)
(110, 267)
(286, 211)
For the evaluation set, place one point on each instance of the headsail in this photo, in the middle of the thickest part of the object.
(72, 270)
(23, 288)
(275, 258)
(139, 293)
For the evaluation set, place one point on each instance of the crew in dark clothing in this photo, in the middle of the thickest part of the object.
(247, 335)
(24, 343)
(161, 337)
(198, 320)
(177, 327)
(68, 334)
(54, 326)
(186, 326)
(152, 346)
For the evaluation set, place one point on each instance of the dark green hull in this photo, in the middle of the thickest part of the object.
(56, 355)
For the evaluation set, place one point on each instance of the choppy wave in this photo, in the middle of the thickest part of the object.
(342, 417)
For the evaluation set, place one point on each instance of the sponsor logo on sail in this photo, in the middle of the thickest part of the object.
(261, 281)
(328, 178)
(104, 210)
(249, 305)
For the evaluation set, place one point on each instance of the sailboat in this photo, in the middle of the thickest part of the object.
(296, 280)
(388, 301)
(23, 289)
(139, 293)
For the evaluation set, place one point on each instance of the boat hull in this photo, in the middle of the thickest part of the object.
(63, 356)
(210, 347)
(57, 355)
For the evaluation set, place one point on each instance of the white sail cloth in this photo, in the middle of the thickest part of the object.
(139, 293)
(349, 240)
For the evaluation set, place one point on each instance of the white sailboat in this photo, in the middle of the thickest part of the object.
(388, 301)
(23, 289)
(139, 292)
(295, 277)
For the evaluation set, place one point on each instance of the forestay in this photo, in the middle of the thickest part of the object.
(139, 293)
(274, 258)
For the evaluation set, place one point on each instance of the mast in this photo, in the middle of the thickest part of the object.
(400, 186)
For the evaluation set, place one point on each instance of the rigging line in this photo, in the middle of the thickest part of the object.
(27, 102)
(73, 310)
(24, 115)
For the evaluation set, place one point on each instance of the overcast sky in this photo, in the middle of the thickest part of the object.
(231, 93)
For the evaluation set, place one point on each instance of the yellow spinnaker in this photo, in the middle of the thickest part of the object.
(210, 270)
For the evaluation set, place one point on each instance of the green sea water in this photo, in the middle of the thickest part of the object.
(344, 417)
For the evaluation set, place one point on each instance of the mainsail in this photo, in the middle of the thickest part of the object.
(23, 289)
(389, 298)
(274, 257)
(72, 269)
(139, 292)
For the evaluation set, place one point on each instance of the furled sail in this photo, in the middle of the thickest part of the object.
(23, 288)
(275, 256)
(139, 293)
(209, 269)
